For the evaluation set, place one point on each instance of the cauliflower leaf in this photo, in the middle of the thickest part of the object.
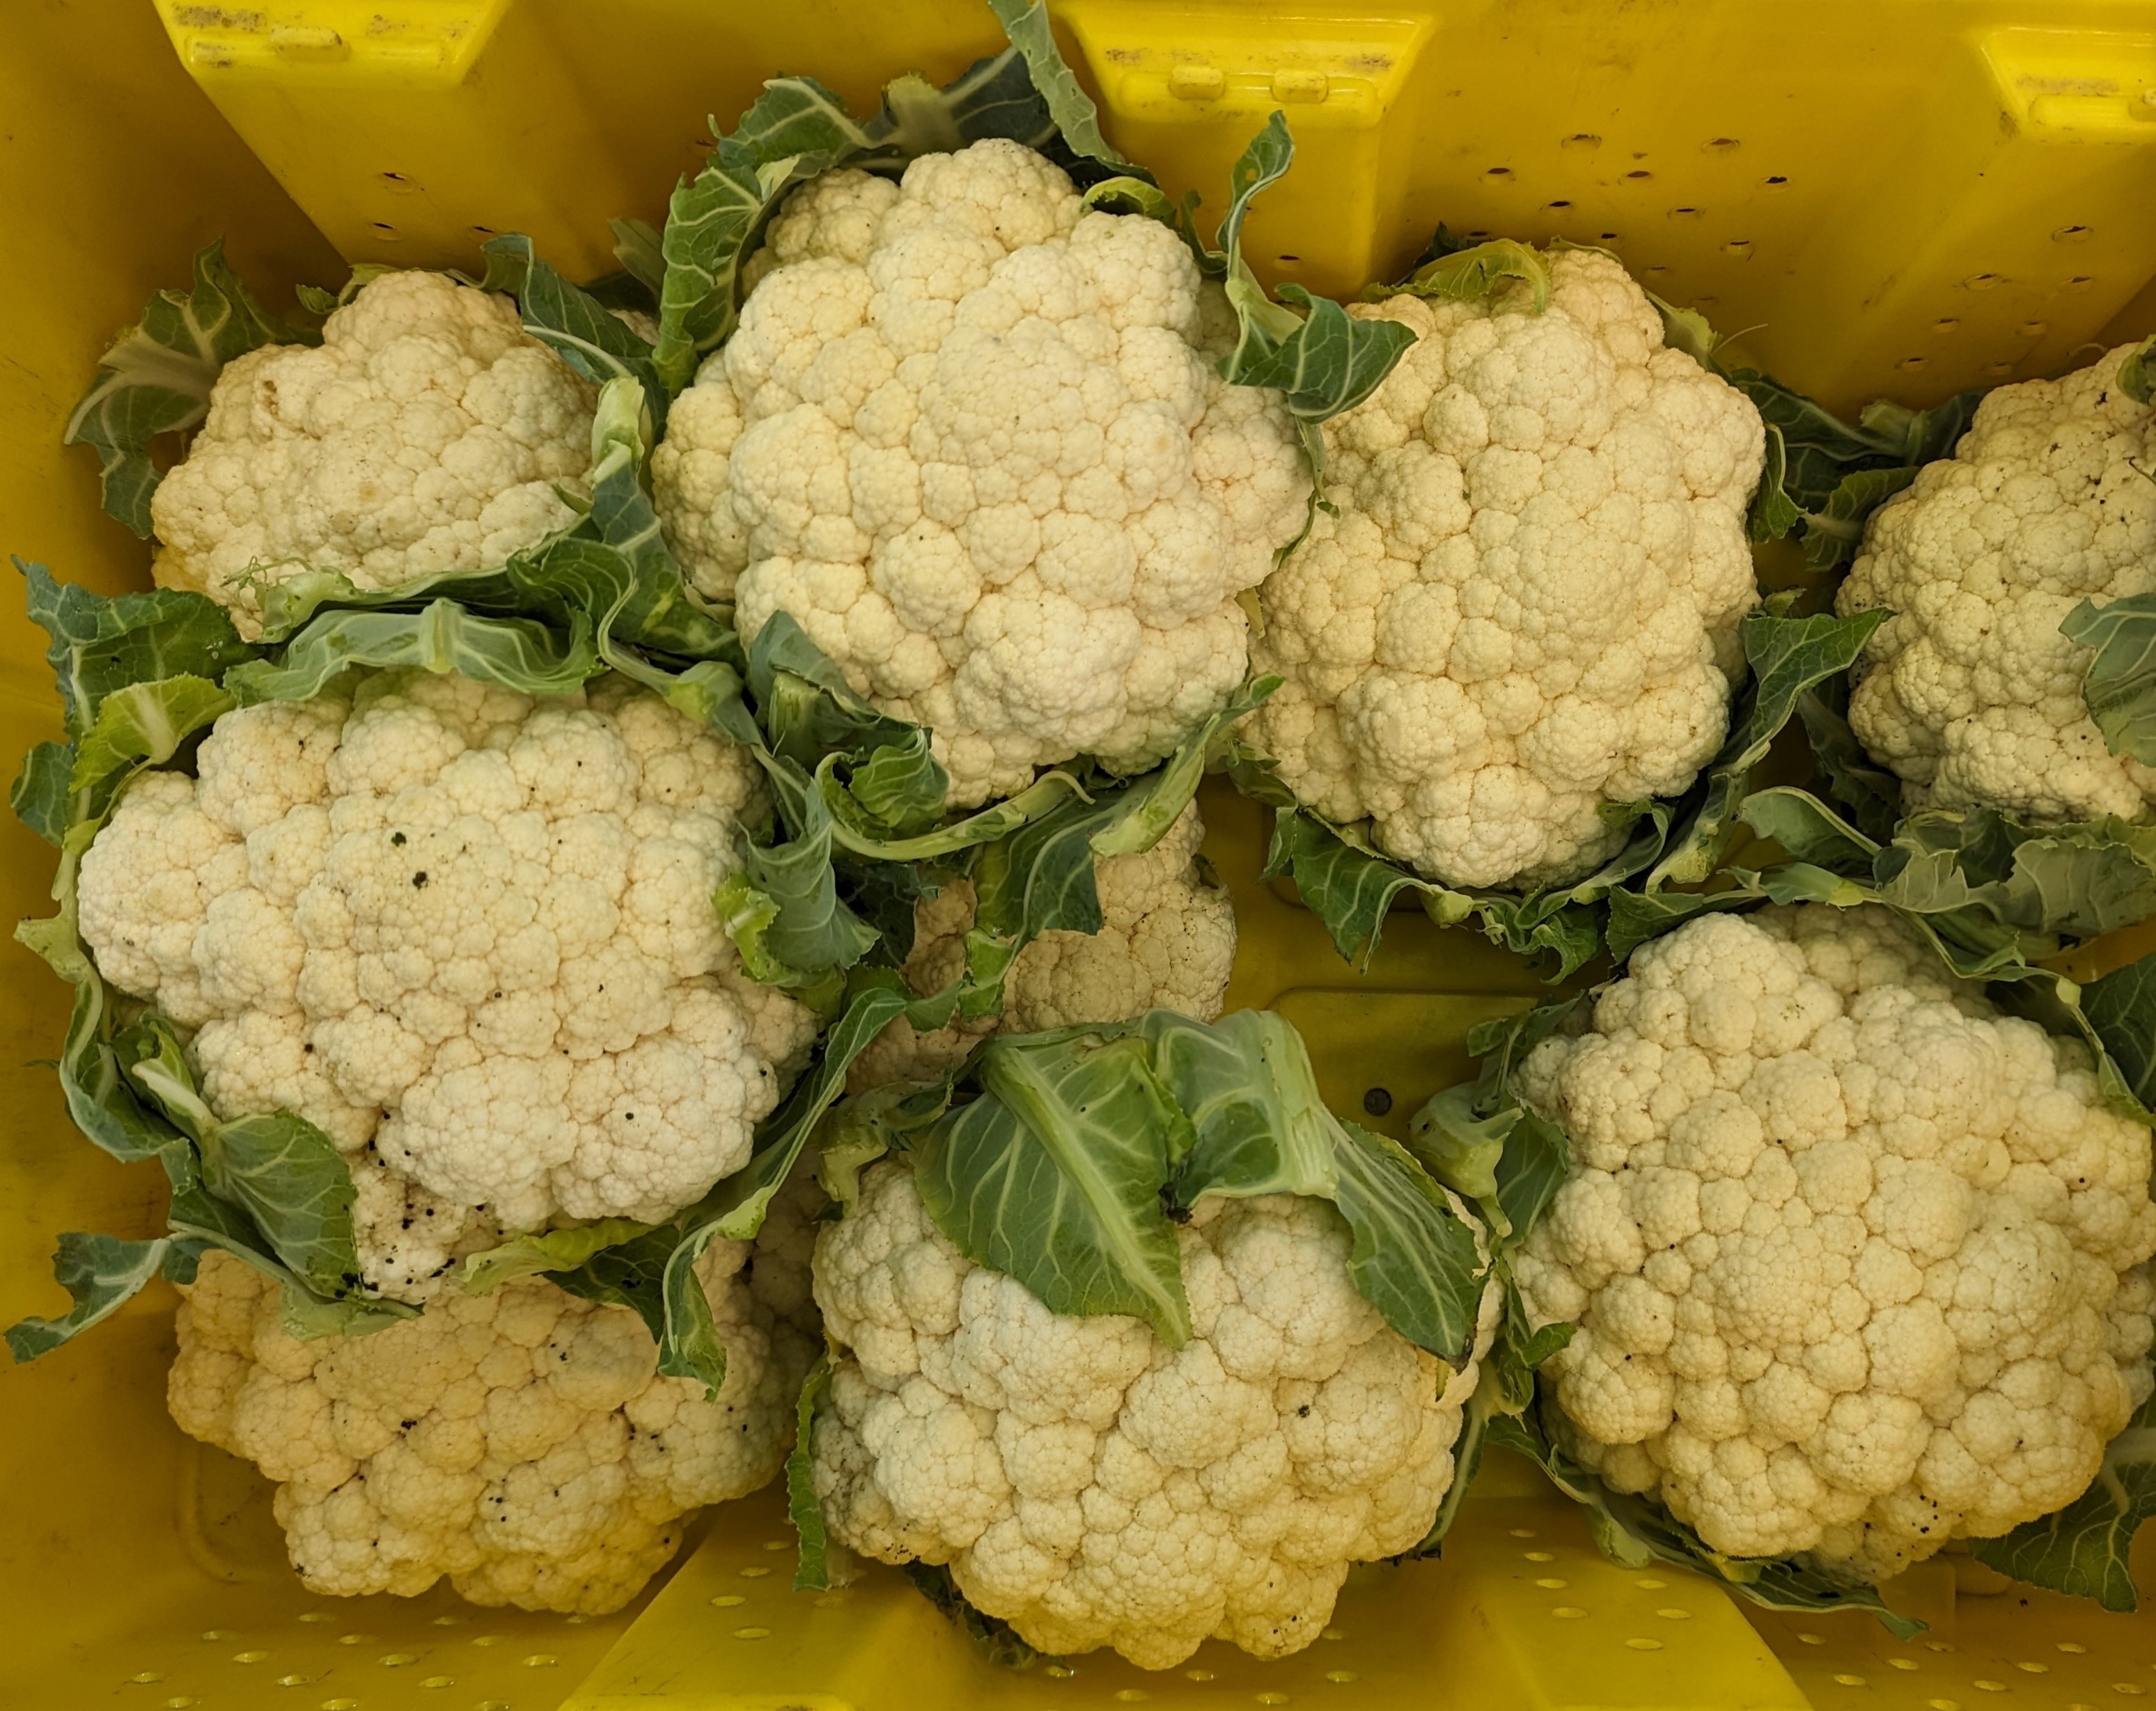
(2086, 1549)
(156, 377)
(2119, 686)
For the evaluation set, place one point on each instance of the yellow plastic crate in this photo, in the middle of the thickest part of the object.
(1903, 196)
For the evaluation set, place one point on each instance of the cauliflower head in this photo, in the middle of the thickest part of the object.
(423, 436)
(1969, 693)
(1526, 606)
(1857, 1262)
(1167, 942)
(469, 934)
(1092, 1486)
(970, 437)
(521, 1443)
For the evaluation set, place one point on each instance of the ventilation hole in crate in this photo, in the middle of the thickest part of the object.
(1913, 363)
(396, 177)
(1946, 326)
(1522, 1532)
(1567, 1613)
(325, 1616)
(1648, 1583)
(385, 228)
(1984, 1684)
(2081, 282)
(297, 1681)
(1609, 238)
(1539, 1556)
(1639, 1642)
(1132, 1696)
(1741, 247)
(1377, 1100)
(1271, 1699)
(1944, 1704)
(1775, 181)
(1197, 1675)
(484, 231)
(1684, 213)
(547, 1660)
(1901, 1664)
(2034, 329)
(146, 1676)
(213, 1633)
(1998, 370)
(355, 1639)
(1550, 1583)
(751, 1633)
(1980, 281)
(1342, 1677)
(1288, 260)
(397, 1660)
(1639, 175)
(1061, 1671)
(340, 1705)
(1722, 146)
(2073, 1645)
(249, 1656)
(489, 1639)
(437, 1681)
(2032, 1667)
(1813, 1639)
(1850, 1681)
(778, 1544)
(1582, 139)
(2072, 234)
(1562, 203)
(1503, 175)
(2128, 1687)
(1933, 1645)
(1671, 1613)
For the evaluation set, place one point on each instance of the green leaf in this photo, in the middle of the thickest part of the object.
(1834, 532)
(1052, 1176)
(2121, 677)
(597, 343)
(2087, 1548)
(812, 1562)
(1869, 795)
(1809, 829)
(39, 797)
(1077, 119)
(157, 376)
(101, 1274)
(442, 637)
(99, 644)
(1773, 513)
(1411, 1258)
(2135, 374)
(1473, 273)
(1258, 1124)
(796, 130)
(1461, 1148)
(2122, 1007)
(636, 248)
(549, 1250)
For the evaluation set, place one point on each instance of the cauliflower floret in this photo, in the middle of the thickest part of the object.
(1526, 605)
(1969, 693)
(968, 436)
(1167, 940)
(521, 1443)
(1858, 1264)
(468, 934)
(1092, 1486)
(423, 436)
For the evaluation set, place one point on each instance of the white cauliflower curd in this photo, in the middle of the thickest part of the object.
(970, 437)
(1856, 1261)
(422, 436)
(520, 1442)
(1969, 693)
(1526, 607)
(1167, 940)
(1092, 1486)
(467, 933)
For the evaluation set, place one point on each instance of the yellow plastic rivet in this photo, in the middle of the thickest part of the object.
(1551, 1584)
(148, 1676)
(1671, 1613)
(1196, 83)
(1130, 1696)
(751, 1633)
(1539, 1556)
(727, 1600)
(755, 1573)
(1300, 85)
(1850, 1681)
(439, 1680)
(249, 1656)
(2032, 1667)
(1568, 1613)
(397, 1660)
(1197, 1675)
(541, 1660)
(313, 46)
(1342, 1676)
(1648, 1583)
(1645, 1645)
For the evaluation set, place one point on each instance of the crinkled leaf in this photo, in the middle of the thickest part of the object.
(797, 129)
(1772, 513)
(1411, 1257)
(157, 376)
(1472, 273)
(1258, 1124)
(98, 643)
(101, 1274)
(1868, 794)
(1077, 119)
(636, 248)
(39, 797)
(2120, 1006)
(2119, 686)
(1052, 1177)
(812, 1561)
(1809, 829)
(2135, 372)
(2087, 1548)
(442, 637)
(548, 1250)
(1834, 532)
